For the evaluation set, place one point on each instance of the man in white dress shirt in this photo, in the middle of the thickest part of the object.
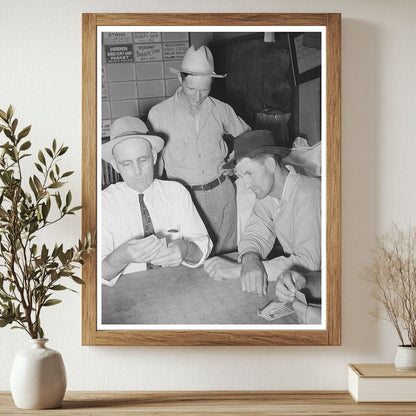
(135, 237)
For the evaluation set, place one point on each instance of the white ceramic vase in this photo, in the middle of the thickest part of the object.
(38, 377)
(405, 358)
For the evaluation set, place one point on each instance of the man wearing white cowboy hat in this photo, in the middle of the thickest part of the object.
(288, 207)
(193, 124)
(140, 211)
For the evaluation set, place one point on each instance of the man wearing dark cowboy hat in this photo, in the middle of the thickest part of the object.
(138, 213)
(193, 124)
(288, 207)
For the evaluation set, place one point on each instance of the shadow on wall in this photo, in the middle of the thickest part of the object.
(360, 180)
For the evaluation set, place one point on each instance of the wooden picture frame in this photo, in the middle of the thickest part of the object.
(331, 334)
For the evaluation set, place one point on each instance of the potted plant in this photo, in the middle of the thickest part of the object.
(31, 273)
(393, 277)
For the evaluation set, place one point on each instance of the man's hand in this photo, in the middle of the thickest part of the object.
(139, 250)
(172, 255)
(253, 274)
(132, 251)
(219, 268)
(287, 284)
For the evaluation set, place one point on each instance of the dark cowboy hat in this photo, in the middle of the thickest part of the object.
(255, 142)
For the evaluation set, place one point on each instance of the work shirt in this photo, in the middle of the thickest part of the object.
(295, 220)
(170, 207)
(195, 150)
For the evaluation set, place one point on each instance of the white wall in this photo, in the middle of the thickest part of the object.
(40, 73)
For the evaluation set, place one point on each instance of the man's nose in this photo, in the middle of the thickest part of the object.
(137, 168)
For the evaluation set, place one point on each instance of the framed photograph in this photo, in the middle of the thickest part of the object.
(274, 72)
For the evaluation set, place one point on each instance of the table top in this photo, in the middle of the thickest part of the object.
(183, 295)
(179, 403)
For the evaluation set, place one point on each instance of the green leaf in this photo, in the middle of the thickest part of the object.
(49, 152)
(59, 287)
(10, 112)
(14, 125)
(37, 182)
(3, 115)
(58, 199)
(56, 185)
(51, 302)
(40, 332)
(25, 145)
(41, 157)
(63, 150)
(78, 280)
(5, 321)
(39, 167)
(67, 174)
(24, 132)
(54, 145)
(68, 199)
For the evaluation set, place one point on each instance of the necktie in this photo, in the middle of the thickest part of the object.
(147, 224)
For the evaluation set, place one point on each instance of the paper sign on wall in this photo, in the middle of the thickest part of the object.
(146, 53)
(147, 37)
(175, 50)
(119, 53)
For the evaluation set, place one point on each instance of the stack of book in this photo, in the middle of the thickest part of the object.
(381, 383)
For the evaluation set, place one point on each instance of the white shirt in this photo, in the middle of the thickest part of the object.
(170, 207)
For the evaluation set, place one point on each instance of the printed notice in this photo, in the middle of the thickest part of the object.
(117, 38)
(175, 50)
(119, 53)
(147, 37)
(105, 128)
(147, 53)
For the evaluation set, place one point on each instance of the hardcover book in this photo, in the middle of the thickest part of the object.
(381, 383)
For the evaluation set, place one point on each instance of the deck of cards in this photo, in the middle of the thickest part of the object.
(274, 310)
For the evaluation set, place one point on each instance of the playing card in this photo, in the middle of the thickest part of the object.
(274, 310)
(301, 297)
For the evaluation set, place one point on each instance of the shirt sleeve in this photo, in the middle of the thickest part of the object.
(306, 255)
(233, 124)
(192, 227)
(259, 235)
(306, 250)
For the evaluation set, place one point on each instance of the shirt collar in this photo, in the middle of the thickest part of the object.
(291, 179)
(148, 192)
(206, 104)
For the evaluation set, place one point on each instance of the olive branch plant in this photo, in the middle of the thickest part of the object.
(30, 272)
(393, 278)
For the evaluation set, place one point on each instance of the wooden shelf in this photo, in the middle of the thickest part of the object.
(259, 403)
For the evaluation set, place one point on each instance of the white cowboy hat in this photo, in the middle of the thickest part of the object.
(127, 128)
(198, 62)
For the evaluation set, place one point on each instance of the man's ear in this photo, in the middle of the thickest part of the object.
(154, 153)
(179, 78)
(270, 163)
(114, 165)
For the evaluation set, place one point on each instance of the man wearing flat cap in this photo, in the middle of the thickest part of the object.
(288, 207)
(140, 214)
(193, 124)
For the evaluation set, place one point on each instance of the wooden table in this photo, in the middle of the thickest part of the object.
(182, 295)
(250, 403)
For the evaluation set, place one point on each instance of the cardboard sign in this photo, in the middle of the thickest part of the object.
(147, 53)
(119, 53)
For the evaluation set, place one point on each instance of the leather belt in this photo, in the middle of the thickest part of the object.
(210, 185)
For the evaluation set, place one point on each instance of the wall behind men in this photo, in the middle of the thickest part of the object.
(40, 73)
